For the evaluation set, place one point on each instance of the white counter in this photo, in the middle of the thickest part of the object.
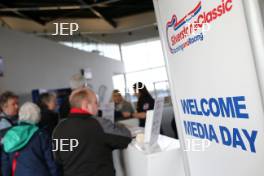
(166, 162)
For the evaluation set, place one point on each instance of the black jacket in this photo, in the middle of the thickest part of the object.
(49, 120)
(65, 107)
(143, 105)
(97, 139)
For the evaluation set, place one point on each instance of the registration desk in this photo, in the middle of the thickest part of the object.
(166, 161)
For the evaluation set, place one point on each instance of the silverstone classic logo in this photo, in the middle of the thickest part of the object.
(191, 28)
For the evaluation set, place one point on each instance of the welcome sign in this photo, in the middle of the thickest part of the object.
(214, 82)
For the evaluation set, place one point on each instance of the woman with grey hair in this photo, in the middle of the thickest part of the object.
(27, 149)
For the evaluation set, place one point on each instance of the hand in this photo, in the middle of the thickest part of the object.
(139, 115)
(126, 114)
(134, 115)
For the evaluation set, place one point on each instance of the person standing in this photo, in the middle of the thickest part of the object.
(77, 81)
(96, 137)
(28, 149)
(49, 116)
(8, 117)
(145, 102)
(9, 107)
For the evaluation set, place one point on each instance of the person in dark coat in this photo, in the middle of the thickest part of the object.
(97, 138)
(77, 81)
(28, 149)
(48, 105)
(145, 102)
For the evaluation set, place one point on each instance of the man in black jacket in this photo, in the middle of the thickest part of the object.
(96, 137)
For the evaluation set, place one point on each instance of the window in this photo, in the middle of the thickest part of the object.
(144, 62)
(119, 83)
(148, 77)
(108, 50)
(143, 55)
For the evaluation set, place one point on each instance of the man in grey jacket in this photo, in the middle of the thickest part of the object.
(8, 114)
(9, 110)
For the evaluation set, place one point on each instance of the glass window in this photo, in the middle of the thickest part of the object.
(148, 77)
(143, 55)
(144, 62)
(119, 83)
(108, 50)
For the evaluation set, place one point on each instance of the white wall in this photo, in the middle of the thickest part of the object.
(32, 63)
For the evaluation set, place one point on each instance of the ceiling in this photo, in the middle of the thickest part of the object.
(47, 11)
(110, 21)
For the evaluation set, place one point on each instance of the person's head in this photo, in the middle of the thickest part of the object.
(84, 99)
(77, 81)
(116, 96)
(9, 103)
(48, 100)
(140, 90)
(30, 113)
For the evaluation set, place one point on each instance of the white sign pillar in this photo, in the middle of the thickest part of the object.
(216, 80)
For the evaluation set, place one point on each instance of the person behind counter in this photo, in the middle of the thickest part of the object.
(145, 102)
(97, 138)
(48, 105)
(123, 108)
